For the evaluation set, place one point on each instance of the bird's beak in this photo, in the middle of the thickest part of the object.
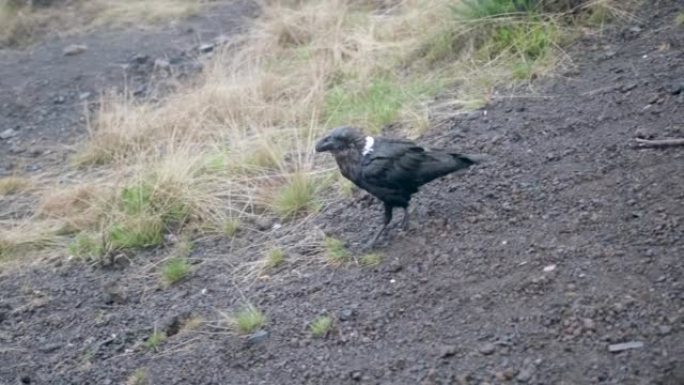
(323, 145)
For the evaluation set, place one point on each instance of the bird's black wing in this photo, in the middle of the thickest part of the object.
(393, 165)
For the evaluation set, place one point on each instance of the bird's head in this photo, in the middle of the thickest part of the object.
(340, 139)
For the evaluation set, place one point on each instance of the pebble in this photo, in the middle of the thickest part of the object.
(257, 337)
(8, 133)
(525, 375)
(617, 348)
(263, 223)
(448, 351)
(487, 348)
(345, 314)
(356, 375)
(162, 64)
(74, 49)
(206, 48)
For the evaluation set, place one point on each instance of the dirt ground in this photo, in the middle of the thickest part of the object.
(530, 268)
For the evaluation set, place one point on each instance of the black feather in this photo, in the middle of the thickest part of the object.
(394, 170)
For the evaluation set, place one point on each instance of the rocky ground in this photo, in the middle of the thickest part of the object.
(560, 261)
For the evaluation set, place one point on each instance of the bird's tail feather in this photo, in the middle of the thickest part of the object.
(473, 158)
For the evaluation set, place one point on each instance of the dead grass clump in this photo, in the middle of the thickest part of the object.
(22, 22)
(13, 184)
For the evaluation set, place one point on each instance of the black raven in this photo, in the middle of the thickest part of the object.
(390, 169)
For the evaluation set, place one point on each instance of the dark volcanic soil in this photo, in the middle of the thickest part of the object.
(525, 270)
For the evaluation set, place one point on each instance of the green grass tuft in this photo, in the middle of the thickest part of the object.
(86, 246)
(274, 258)
(138, 231)
(370, 260)
(231, 227)
(155, 340)
(174, 270)
(139, 377)
(297, 196)
(321, 326)
(377, 104)
(679, 20)
(335, 251)
(249, 319)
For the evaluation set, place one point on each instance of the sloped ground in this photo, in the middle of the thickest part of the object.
(526, 269)
(46, 93)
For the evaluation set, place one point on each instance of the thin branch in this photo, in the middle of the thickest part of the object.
(672, 142)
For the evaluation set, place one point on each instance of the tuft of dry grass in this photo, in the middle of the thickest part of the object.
(13, 185)
(22, 23)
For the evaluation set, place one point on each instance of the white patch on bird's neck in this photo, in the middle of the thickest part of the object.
(368, 147)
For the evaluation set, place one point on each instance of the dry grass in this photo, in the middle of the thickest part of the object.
(22, 24)
(13, 185)
(238, 142)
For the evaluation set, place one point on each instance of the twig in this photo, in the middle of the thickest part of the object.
(660, 142)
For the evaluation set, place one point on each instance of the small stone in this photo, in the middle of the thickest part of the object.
(8, 133)
(84, 95)
(49, 348)
(505, 375)
(635, 29)
(549, 268)
(675, 88)
(263, 223)
(206, 48)
(162, 64)
(487, 348)
(589, 324)
(356, 375)
(525, 375)
(448, 351)
(628, 87)
(257, 337)
(617, 348)
(74, 49)
(141, 59)
(664, 330)
(16, 149)
(345, 314)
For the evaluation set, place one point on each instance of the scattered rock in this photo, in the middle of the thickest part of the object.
(487, 348)
(206, 48)
(8, 133)
(263, 223)
(617, 348)
(549, 268)
(141, 59)
(49, 348)
(664, 330)
(675, 88)
(505, 375)
(84, 95)
(257, 337)
(525, 375)
(74, 49)
(356, 375)
(345, 314)
(16, 149)
(628, 87)
(448, 351)
(162, 64)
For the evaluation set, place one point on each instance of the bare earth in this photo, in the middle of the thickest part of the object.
(528, 269)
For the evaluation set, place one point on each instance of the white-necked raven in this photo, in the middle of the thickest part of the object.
(390, 169)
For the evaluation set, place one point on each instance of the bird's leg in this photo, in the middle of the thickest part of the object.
(386, 221)
(405, 221)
